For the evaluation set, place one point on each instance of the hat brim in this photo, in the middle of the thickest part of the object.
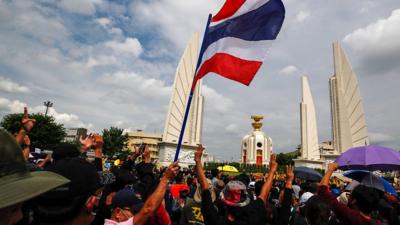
(29, 187)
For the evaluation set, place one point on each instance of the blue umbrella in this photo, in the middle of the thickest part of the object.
(371, 180)
(306, 173)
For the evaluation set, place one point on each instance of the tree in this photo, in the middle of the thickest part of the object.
(46, 133)
(114, 141)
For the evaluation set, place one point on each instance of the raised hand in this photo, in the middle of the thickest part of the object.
(332, 166)
(146, 154)
(289, 173)
(273, 165)
(199, 153)
(27, 123)
(86, 143)
(97, 140)
(171, 172)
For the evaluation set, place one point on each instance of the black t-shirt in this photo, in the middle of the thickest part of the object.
(253, 214)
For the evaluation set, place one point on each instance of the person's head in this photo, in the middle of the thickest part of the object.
(317, 211)
(235, 197)
(364, 199)
(125, 204)
(217, 173)
(65, 150)
(258, 186)
(75, 202)
(17, 184)
(243, 178)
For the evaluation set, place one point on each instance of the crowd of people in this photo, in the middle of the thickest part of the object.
(67, 188)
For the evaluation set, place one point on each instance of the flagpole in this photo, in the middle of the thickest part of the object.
(178, 147)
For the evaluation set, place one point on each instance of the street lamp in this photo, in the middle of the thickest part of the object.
(48, 104)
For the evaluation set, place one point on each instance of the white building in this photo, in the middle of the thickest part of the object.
(349, 128)
(73, 134)
(309, 149)
(176, 111)
(256, 146)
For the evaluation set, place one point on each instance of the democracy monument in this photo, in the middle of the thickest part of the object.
(349, 128)
(347, 117)
(176, 110)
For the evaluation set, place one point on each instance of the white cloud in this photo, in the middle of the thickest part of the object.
(8, 85)
(129, 45)
(86, 7)
(215, 101)
(104, 21)
(14, 106)
(381, 37)
(302, 16)
(177, 19)
(289, 70)
(136, 85)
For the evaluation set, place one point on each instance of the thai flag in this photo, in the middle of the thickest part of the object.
(236, 41)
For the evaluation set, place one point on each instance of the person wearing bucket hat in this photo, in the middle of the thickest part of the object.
(235, 198)
(17, 184)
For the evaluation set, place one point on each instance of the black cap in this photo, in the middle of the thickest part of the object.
(83, 175)
(127, 197)
(65, 150)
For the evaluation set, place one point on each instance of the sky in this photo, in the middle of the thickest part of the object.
(112, 63)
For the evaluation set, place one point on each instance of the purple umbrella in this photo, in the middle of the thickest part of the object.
(369, 157)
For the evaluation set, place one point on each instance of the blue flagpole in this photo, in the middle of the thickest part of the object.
(178, 147)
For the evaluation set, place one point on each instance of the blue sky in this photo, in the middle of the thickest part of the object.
(106, 63)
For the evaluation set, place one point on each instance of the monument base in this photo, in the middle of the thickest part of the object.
(167, 154)
(315, 164)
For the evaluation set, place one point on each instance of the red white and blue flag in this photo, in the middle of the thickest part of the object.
(238, 37)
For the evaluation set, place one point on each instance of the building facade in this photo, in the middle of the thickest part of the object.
(256, 147)
(152, 140)
(73, 134)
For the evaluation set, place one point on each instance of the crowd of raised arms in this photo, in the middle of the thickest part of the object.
(67, 188)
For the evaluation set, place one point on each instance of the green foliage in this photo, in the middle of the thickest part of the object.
(114, 141)
(284, 159)
(46, 133)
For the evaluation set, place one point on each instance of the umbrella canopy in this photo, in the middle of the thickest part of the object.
(306, 173)
(227, 168)
(369, 157)
(371, 180)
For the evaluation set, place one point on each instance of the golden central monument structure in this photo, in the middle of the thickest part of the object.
(256, 146)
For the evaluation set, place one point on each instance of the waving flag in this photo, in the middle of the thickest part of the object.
(235, 43)
(237, 39)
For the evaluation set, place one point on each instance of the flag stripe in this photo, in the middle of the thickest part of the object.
(250, 50)
(230, 67)
(263, 23)
(247, 6)
(230, 7)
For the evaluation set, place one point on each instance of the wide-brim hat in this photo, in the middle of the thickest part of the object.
(19, 188)
(235, 194)
(17, 184)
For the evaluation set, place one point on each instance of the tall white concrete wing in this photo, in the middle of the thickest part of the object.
(179, 97)
(308, 124)
(349, 128)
